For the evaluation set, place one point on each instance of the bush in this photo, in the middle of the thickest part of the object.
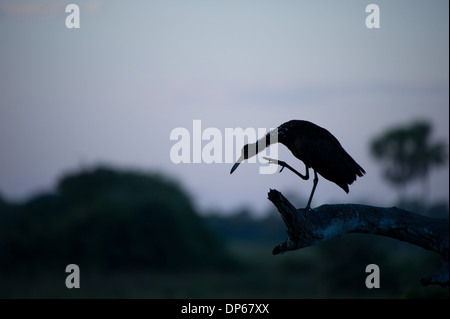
(109, 218)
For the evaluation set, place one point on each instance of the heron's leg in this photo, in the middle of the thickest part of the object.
(284, 164)
(315, 181)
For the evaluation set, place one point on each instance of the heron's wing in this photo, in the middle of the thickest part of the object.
(326, 156)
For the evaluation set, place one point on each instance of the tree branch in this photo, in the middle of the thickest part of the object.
(308, 228)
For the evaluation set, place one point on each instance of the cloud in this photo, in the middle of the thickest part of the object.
(49, 8)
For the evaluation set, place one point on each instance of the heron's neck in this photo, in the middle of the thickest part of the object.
(267, 140)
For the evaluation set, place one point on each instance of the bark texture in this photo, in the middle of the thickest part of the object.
(307, 228)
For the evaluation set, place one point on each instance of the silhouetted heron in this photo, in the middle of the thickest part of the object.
(316, 147)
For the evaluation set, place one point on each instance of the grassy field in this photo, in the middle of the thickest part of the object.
(303, 274)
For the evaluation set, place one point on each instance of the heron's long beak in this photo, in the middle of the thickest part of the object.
(239, 161)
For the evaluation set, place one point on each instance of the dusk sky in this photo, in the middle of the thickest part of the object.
(113, 90)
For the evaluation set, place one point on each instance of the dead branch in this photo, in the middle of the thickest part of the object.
(307, 228)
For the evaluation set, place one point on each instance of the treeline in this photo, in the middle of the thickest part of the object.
(143, 231)
(243, 227)
(109, 218)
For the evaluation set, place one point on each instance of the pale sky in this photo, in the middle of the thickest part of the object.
(113, 90)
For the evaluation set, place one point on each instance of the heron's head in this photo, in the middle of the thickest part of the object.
(248, 151)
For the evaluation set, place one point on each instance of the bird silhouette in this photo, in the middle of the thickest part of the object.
(315, 146)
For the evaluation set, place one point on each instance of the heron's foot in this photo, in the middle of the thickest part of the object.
(278, 162)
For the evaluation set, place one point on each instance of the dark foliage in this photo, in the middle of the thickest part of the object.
(111, 219)
(242, 226)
